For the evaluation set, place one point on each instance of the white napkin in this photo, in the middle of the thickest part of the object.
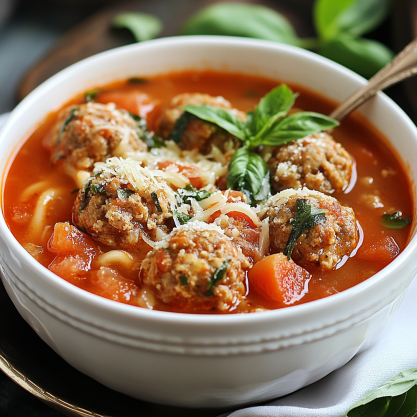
(333, 395)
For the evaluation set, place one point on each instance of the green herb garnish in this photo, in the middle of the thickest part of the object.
(179, 127)
(268, 124)
(124, 192)
(156, 201)
(151, 140)
(143, 26)
(97, 188)
(84, 196)
(217, 277)
(304, 218)
(397, 397)
(183, 280)
(137, 80)
(75, 191)
(90, 95)
(181, 217)
(184, 195)
(394, 221)
(65, 124)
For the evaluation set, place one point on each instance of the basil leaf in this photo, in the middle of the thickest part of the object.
(272, 107)
(84, 196)
(297, 126)
(156, 201)
(90, 95)
(305, 217)
(183, 280)
(137, 80)
(151, 140)
(364, 56)
(221, 117)
(181, 217)
(143, 26)
(75, 191)
(97, 188)
(217, 277)
(240, 19)
(248, 173)
(397, 397)
(124, 192)
(394, 221)
(65, 124)
(185, 194)
(327, 14)
(179, 127)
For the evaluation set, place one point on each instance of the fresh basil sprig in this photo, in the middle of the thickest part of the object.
(305, 217)
(394, 220)
(268, 124)
(397, 397)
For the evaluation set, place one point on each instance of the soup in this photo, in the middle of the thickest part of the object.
(137, 194)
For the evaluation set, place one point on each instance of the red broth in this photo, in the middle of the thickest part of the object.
(381, 176)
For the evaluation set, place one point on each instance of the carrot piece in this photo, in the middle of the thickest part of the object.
(189, 171)
(278, 279)
(383, 251)
(67, 239)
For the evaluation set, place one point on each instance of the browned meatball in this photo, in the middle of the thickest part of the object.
(316, 162)
(116, 212)
(322, 246)
(185, 271)
(91, 133)
(199, 134)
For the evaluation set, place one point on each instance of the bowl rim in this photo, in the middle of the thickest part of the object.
(221, 320)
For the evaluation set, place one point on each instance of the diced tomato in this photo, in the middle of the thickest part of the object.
(384, 251)
(70, 267)
(278, 279)
(68, 239)
(189, 171)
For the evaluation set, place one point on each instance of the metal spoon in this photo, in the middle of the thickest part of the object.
(404, 65)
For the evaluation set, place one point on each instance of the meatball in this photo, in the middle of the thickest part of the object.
(197, 268)
(323, 245)
(316, 162)
(199, 134)
(120, 212)
(91, 133)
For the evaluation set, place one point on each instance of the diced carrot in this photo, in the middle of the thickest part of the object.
(67, 239)
(234, 196)
(189, 171)
(278, 279)
(384, 251)
(70, 267)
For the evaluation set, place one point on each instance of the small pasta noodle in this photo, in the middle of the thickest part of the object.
(118, 258)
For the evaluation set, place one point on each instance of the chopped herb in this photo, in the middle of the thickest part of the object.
(304, 218)
(97, 174)
(394, 221)
(185, 194)
(65, 124)
(124, 192)
(183, 280)
(97, 188)
(84, 196)
(181, 217)
(75, 191)
(151, 140)
(90, 95)
(156, 201)
(58, 155)
(180, 126)
(135, 117)
(82, 229)
(137, 80)
(217, 277)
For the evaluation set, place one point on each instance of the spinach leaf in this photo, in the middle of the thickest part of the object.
(124, 192)
(185, 194)
(143, 26)
(397, 397)
(241, 19)
(221, 117)
(156, 201)
(364, 56)
(394, 221)
(248, 173)
(305, 217)
(181, 217)
(297, 126)
(179, 127)
(65, 124)
(217, 277)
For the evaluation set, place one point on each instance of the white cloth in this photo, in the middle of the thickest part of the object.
(333, 395)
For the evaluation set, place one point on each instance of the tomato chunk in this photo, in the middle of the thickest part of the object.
(189, 171)
(278, 279)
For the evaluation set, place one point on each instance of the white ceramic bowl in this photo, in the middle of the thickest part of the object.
(204, 360)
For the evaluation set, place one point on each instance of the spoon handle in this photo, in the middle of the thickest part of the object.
(404, 65)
